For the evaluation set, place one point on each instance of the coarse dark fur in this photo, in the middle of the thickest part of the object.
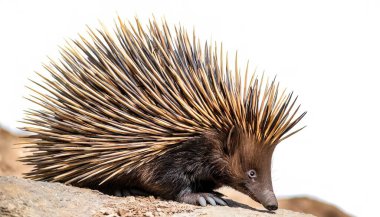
(197, 165)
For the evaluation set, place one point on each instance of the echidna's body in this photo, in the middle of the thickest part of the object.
(149, 110)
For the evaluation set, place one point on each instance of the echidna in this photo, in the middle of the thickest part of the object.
(152, 110)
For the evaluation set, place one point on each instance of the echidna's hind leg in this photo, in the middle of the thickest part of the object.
(203, 199)
(124, 192)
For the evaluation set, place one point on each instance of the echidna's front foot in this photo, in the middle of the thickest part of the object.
(124, 192)
(203, 199)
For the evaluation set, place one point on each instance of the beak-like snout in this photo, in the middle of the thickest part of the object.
(268, 199)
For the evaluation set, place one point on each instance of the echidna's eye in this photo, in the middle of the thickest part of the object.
(251, 174)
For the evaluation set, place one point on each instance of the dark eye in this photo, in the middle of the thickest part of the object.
(251, 174)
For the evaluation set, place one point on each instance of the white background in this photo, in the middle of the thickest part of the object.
(328, 52)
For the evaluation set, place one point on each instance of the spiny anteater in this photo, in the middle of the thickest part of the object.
(148, 110)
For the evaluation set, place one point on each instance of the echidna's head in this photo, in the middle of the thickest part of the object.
(250, 171)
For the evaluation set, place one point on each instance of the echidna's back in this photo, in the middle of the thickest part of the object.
(115, 101)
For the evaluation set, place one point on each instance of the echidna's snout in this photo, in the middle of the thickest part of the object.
(263, 194)
(268, 200)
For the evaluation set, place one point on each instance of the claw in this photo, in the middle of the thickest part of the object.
(124, 192)
(202, 201)
(220, 201)
(211, 200)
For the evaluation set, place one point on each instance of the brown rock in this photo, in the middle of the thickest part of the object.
(312, 206)
(9, 153)
(297, 204)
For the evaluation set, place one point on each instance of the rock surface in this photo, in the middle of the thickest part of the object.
(297, 204)
(21, 197)
(312, 206)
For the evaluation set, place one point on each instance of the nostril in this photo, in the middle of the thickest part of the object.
(271, 207)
